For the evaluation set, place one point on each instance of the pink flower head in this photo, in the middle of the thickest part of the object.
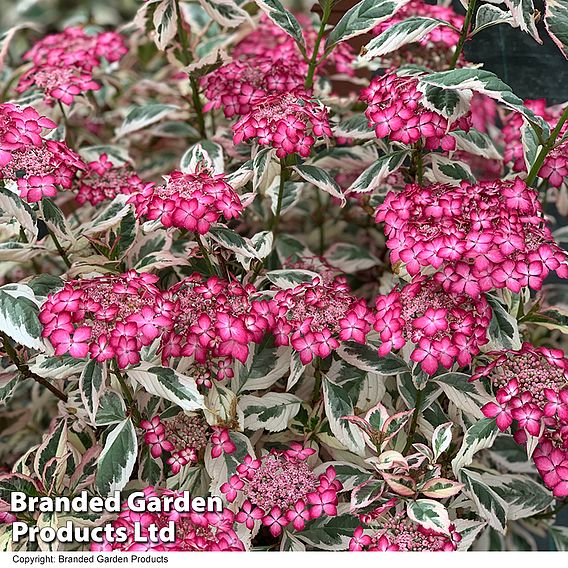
(479, 237)
(284, 122)
(444, 327)
(106, 316)
(192, 201)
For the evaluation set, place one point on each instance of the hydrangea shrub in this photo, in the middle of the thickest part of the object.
(243, 259)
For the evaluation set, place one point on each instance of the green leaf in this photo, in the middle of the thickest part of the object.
(139, 117)
(350, 258)
(321, 179)
(488, 15)
(355, 127)
(366, 358)
(560, 538)
(284, 19)
(338, 405)
(430, 514)
(467, 396)
(329, 533)
(273, 411)
(524, 16)
(465, 80)
(441, 439)
(91, 385)
(19, 315)
(361, 18)
(165, 23)
(169, 384)
(111, 409)
(374, 176)
(401, 33)
(231, 240)
(225, 12)
(478, 437)
(449, 171)
(524, 496)
(290, 278)
(12, 207)
(210, 152)
(116, 462)
(265, 365)
(110, 218)
(51, 450)
(477, 143)
(503, 329)
(488, 503)
(556, 22)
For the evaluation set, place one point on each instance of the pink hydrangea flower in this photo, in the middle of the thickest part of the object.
(106, 317)
(444, 327)
(280, 489)
(480, 237)
(286, 122)
(530, 391)
(63, 63)
(188, 201)
(395, 111)
(193, 531)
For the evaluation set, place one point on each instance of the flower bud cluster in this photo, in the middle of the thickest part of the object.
(193, 531)
(286, 122)
(314, 317)
(103, 181)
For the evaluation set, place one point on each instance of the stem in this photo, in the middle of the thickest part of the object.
(464, 33)
(25, 370)
(313, 63)
(318, 377)
(187, 59)
(204, 254)
(414, 421)
(283, 176)
(546, 147)
(59, 248)
(126, 392)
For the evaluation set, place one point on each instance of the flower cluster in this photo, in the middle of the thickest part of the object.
(36, 164)
(483, 236)
(191, 201)
(531, 389)
(444, 327)
(398, 533)
(215, 321)
(194, 531)
(106, 317)
(555, 166)
(286, 122)
(394, 110)
(184, 437)
(313, 317)
(63, 63)
(280, 489)
(103, 181)
(241, 85)
(437, 47)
